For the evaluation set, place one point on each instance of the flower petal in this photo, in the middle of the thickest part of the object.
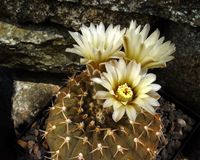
(131, 113)
(146, 106)
(155, 87)
(133, 71)
(97, 80)
(97, 44)
(116, 104)
(152, 101)
(118, 113)
(148, 79)
(102, 95)
(143, 91)
(154, 94)
(121, 70)
(108, 102)
(149, 51)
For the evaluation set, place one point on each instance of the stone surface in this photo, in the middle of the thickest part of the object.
(175, 10)
(182, 76)
(67, 13)
(40, 10)
(42, 47)
(29, 99)
(73, 16)
(34, 48)
(45, 50)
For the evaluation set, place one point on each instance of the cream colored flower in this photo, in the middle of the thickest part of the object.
(128, 90)
(97, 44)
(150, 51)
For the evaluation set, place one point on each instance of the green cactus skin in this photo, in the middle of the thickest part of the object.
(79, 128)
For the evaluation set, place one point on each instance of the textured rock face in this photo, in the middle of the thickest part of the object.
(182, 76)
(69, 13)
(36, 35)
(37, 11)
(42, 47)
(33, 48)
(29, 99)
(175, 10)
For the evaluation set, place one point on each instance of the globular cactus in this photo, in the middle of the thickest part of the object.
(79, 128)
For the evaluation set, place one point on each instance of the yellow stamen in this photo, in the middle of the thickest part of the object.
(124, 92)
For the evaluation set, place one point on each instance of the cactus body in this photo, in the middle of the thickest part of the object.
(79, 128)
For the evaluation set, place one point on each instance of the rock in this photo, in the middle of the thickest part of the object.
(29, 99)
(8, 137)
(42, 49)
(68, 13)
(175, 10)
(80, 14)
(182, 76)
(22, 143)
(175, 134)
(34, 48)
(35, 10)
(40, 10)
(182, 122)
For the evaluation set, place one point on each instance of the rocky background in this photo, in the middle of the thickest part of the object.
(34, 35)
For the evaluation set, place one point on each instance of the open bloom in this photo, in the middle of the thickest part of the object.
(150, 51)
(127, 89)
(97, 44)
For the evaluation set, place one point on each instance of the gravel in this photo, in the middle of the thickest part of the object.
(176, 127)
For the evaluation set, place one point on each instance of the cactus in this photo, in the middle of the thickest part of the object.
(88, 120)
(79, 128)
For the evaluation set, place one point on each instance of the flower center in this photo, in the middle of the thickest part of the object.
(124, 92)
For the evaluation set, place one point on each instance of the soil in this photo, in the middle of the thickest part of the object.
(176, 127)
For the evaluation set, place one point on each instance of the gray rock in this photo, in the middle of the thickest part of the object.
(73, 16)
(29, 99)
(68, 0)
(36, 11)
(68, 13)
(182, 76)
(34, 48)
(40, 10)
(44, 49)
(175, 10)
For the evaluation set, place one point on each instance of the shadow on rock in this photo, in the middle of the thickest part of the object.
(7, 134)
